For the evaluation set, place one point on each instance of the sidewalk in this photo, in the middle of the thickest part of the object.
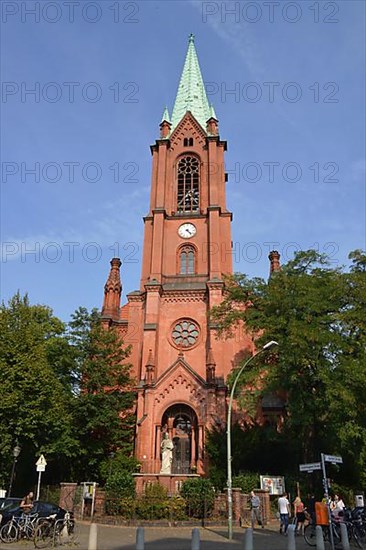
(174, 538)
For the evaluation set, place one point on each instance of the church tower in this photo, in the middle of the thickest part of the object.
(179, 363)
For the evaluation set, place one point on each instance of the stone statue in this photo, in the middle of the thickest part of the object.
(167, 447)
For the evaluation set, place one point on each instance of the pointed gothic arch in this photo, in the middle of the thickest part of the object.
(187, 259)
(188, 184)
(181, 423)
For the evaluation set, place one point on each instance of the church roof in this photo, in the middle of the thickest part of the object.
(191, 94)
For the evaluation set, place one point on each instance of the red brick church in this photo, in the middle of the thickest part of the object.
(180, 365)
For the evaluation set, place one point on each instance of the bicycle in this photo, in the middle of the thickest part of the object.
(19, 527)
(310, 533)
(356, 527)
(52, 532)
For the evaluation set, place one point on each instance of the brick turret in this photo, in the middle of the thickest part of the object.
(274, 258)
(112, 292)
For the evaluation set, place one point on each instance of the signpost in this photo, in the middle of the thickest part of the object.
(333, 459)
(41, 467)
(310, 467)
(321, 466)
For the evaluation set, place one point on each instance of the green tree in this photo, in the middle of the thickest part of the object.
(34, 406)
(315, 312)
(103, 406)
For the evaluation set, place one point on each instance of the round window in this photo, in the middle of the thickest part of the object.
(185, 333)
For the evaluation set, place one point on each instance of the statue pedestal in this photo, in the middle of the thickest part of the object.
(172, 482)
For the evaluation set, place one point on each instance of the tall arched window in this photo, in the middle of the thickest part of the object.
(187, 260)
(188, 199)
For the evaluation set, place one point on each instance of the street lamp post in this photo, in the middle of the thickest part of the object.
(229, 457)
(16, 453)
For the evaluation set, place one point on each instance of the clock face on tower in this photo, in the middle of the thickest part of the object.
(187, 230)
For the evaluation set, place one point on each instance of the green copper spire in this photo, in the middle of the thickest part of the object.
(212, 112)
(191, 94)
(165, 117)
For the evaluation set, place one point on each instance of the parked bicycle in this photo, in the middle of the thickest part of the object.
(52, 532)
(355, 522)
(19, 527)
(310, 533)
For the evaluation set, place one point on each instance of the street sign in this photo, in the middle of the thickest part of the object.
(41, 461)
(310, 467)
(41, 467)
(333, 459)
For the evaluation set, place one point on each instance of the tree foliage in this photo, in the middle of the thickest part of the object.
(103, 406)
(34, 407)
(316, 314)
(65, 391)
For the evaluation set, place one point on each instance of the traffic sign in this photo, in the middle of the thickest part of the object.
(41, 467)
(310, 467)
(41, 464)
(333, 459)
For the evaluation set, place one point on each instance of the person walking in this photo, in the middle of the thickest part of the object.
(285, 513)
(299, 514)
(255, 507)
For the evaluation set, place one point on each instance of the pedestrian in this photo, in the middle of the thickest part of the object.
(27, 503)
(299, 514)
(285, 513)
(255, 506)
(337, 507)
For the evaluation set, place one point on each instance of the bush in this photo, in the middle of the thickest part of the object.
(154, 504)
(170, 508)
(119, 487)
(247, 481)
(199, 495)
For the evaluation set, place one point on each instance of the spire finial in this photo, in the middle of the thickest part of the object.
(191, 38)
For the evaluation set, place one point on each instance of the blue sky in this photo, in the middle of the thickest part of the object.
(103, 73)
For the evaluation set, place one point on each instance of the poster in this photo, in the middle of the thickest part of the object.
(275, 485)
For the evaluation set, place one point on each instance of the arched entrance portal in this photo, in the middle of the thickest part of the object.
(180, 421)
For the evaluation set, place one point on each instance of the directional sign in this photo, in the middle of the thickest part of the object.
(333, 459)
(310, 467)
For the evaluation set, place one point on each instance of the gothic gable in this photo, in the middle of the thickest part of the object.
(180, 383)
(188, 126)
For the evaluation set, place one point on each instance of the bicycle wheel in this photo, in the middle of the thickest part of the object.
(356, 539)
(9, 532)
(310, 534)
(44, 535)
(67, 532)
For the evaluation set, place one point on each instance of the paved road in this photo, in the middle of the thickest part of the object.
(174, 538)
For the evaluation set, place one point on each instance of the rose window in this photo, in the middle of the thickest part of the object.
(185, 333)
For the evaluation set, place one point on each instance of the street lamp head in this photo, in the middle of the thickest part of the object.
(270, 344)
(16, 451)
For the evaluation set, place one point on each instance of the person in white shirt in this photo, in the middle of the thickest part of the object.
(285, 512)
(337, 506)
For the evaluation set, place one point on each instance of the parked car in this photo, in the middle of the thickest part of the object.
(5, 502)
(43, 509)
